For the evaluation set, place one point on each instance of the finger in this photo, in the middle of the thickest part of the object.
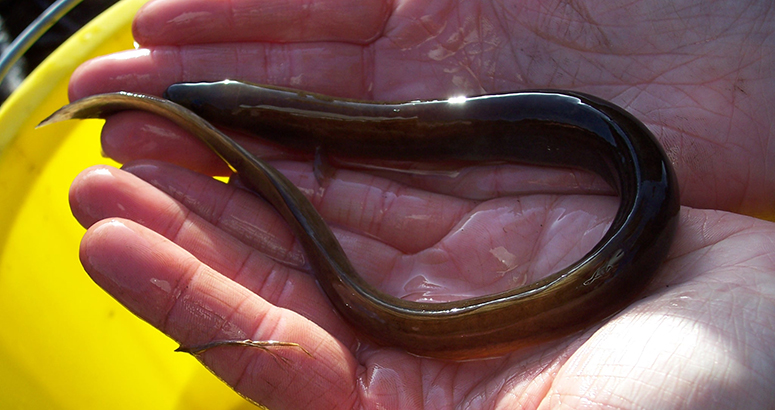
(328, 68)
(205, 21)
(130, 135)
(173, 291)
(253, 222)
(368, 207)
(104, 192)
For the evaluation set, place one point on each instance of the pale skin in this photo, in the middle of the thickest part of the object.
(203, 261)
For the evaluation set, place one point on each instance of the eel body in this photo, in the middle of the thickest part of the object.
(554, 128)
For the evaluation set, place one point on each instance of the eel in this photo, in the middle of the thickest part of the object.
(543, 127)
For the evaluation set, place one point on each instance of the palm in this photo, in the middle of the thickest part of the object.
(404, 237)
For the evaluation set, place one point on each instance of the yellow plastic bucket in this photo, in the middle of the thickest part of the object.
(64, 343)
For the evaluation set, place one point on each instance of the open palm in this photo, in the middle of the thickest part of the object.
(205, 261)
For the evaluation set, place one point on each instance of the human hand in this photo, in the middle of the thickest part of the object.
(700, 332)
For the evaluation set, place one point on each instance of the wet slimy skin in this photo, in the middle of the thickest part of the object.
(554, 128)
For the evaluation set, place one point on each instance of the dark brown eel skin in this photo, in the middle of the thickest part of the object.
(553, 128)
